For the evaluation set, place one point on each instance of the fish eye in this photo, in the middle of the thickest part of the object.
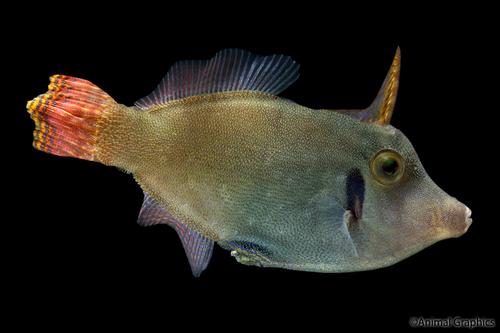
(387, 167)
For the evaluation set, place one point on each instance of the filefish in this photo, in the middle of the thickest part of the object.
(222, 159)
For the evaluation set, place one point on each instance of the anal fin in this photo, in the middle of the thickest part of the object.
(197, 247)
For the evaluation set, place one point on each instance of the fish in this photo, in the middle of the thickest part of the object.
(221, 158)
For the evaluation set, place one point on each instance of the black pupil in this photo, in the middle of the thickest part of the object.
(390, 166)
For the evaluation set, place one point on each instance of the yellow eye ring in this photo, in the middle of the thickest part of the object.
(387, 167)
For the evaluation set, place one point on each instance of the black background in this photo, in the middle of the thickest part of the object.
(74, 254)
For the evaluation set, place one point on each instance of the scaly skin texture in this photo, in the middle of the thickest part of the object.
(255, 168)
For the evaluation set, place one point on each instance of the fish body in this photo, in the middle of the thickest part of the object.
(221, 158)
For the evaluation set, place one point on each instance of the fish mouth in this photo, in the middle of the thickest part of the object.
(468, 218)
(454, 220)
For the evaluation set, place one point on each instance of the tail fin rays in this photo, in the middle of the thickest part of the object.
(68, 117)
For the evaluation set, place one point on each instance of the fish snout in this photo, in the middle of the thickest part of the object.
(454, 219)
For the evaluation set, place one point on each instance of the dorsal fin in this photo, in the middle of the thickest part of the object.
(383, 105)
(228, 70)
(380, 111)
(197, 247)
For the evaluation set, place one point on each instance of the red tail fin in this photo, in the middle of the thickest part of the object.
(68, 117)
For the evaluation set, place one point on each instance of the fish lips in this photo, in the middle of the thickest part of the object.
(451, 219)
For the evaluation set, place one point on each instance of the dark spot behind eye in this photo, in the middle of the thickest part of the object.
(355, 192)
